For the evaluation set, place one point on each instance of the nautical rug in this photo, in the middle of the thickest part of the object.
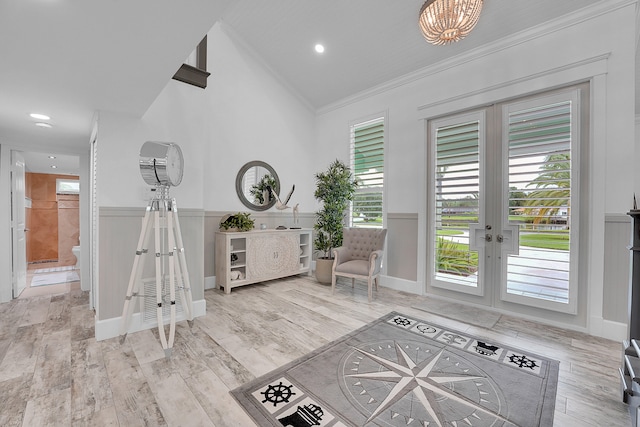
(54, 278)
(401, 371)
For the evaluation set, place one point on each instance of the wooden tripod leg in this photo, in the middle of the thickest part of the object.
(187, 300)
(163, 338)
(172, 283)
(136, 273)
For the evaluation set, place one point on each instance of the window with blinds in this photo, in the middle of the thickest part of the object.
(367, 165)
(457, 201)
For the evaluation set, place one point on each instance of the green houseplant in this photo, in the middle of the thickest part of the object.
(240, 221)
(335, 188)
(260, 191)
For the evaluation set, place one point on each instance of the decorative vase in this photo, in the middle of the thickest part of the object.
(323, 270)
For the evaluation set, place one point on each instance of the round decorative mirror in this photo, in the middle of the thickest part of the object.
(253, 183)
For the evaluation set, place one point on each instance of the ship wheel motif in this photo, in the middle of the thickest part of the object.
(399, 382)
(522, 361)
(277, 393)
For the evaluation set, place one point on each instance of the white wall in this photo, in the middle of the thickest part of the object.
(244, 114)
(564, 52)
(251, 116)
(6, 285)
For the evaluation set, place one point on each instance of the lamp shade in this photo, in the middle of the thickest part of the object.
(446, 21)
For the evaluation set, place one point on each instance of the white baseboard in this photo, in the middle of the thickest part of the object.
(402, 285)
(209, 282)
(609, 329)
(110, 328)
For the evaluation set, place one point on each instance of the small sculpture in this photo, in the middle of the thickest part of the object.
(279, 204)
(296, 213)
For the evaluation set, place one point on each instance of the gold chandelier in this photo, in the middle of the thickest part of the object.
(446, 21)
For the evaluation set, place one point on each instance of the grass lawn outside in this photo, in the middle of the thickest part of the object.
(448, 232)
(559, 241)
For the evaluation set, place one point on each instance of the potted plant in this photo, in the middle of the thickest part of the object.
(240, 221)
(335, 188)
(261, 191)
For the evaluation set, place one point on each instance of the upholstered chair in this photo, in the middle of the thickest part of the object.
(359, 257)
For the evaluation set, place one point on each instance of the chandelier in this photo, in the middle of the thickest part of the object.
(446, 21)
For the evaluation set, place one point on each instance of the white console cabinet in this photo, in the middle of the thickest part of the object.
(254, 256)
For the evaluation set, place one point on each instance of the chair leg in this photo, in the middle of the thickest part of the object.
(370, 286)
(353, 282)
(333, 284)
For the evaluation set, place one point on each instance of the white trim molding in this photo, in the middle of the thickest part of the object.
(110, 328)
(403, 285)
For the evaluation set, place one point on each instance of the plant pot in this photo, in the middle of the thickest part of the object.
(323, 270)
(230, 230)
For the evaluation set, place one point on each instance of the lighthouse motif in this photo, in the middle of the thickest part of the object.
(306, 416)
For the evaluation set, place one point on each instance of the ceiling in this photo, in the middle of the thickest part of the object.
(69, 59)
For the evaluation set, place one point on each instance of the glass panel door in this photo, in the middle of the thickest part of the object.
(502, 225)
(539, 143)
(457, 205)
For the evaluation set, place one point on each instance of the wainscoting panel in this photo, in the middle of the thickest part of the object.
(119, 234)
(617, 238)
(402, 246)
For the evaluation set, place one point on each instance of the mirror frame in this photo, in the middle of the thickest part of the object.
(240, 193)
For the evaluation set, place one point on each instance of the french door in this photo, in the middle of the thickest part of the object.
(502, 181)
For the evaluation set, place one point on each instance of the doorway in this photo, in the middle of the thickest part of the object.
(502, 183)
(50, 206)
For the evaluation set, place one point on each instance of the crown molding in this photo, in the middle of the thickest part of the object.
(549, 27)
(597, 66)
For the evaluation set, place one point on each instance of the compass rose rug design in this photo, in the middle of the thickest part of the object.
(402, 371)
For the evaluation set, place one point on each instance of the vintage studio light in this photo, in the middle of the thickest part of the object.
(161, 165)
(446, 21)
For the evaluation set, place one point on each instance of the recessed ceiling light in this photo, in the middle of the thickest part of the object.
(319, 48)
(43, 125)
(54, 167)
(40, 116)
(52, 157)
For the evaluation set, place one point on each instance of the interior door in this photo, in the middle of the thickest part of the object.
(502, 183)
(18, 223)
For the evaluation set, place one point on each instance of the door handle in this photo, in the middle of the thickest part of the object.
(487, 237)
(499, 238)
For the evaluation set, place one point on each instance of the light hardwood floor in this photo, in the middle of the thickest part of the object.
(54, 373)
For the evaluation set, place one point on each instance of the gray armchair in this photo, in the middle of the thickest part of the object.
(359, 257)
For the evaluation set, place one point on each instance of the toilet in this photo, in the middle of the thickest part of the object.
(76, 253)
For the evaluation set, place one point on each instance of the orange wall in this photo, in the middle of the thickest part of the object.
(43, 219)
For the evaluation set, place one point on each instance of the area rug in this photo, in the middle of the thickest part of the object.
(54, 278)
(461, 312)
(401, 371)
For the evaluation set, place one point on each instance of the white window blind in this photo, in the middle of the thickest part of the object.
(457, 198)
(367, 165)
